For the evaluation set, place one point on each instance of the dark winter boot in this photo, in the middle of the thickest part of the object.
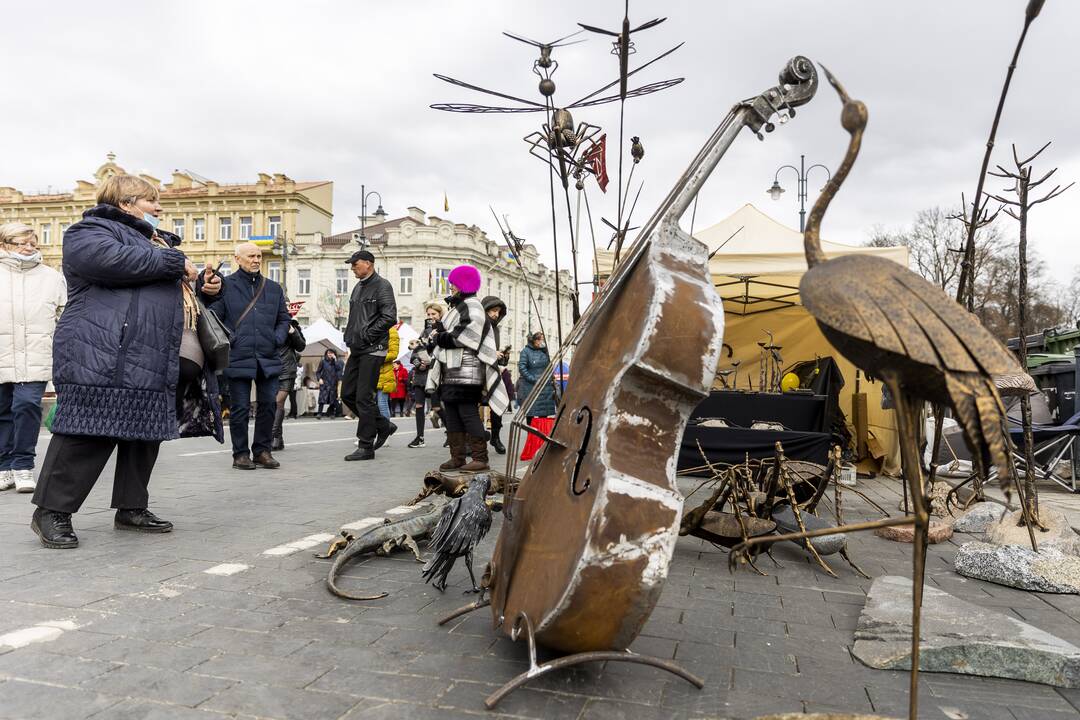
(278, 441)
(497, 443)
(457, 442)
(479, 453)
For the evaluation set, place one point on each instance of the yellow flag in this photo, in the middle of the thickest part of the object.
(445, 202)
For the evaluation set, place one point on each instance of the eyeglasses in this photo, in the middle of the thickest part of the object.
(22, 243)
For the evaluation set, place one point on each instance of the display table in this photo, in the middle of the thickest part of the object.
(804, 416)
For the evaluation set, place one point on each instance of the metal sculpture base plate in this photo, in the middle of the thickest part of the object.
(523, 624)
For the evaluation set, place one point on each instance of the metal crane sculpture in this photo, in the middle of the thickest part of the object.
(894, 325)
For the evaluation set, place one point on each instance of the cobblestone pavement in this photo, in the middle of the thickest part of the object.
(133, 626)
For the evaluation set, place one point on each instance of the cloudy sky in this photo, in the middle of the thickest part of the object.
(340, 91)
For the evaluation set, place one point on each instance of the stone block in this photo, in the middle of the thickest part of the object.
(959, 637)
(979, 517)
(1049, 570)
(1059, 534)
(938, 532)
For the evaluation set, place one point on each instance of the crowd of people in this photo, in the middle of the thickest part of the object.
(131, 335)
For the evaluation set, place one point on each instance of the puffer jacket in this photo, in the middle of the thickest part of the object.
(116, 351)
(531, 365)
(31, 297)
(256, 340)
(387, 380)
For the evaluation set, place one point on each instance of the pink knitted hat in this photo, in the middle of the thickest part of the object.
(465, 278)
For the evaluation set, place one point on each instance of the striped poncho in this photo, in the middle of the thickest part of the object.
(468, 325)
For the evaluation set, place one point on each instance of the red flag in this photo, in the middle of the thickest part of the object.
(596, 158)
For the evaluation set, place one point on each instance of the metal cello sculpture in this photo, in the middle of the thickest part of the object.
(589, 532)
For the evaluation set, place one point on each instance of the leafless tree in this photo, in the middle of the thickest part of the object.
(1018, 209)
(334, 307)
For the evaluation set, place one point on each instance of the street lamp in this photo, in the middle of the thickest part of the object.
(281, 246)
(380, 214)
(802, 171)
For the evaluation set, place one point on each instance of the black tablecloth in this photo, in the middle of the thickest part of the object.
(804, 413)
(730, 445)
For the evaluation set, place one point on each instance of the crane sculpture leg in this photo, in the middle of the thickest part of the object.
(907, 419)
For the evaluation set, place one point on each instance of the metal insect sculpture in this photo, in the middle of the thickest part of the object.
(897, 326)
(463, 524)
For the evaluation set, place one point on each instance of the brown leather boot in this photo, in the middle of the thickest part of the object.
(479, 452)
(457, 451)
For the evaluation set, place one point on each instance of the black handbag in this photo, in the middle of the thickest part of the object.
(214, 338)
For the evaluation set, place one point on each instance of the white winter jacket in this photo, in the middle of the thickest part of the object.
(32, 295)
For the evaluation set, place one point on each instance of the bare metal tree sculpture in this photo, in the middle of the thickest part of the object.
(1018, 209)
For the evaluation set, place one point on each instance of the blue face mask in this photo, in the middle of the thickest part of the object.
(147, 217)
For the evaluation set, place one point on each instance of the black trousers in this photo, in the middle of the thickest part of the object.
(496, 424)
(73, 464)
(240, 409)
(464, 417)
(358, 393)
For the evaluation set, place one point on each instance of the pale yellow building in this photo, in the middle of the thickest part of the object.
(211, 217)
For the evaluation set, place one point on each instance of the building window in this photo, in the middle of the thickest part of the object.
(405, 285)
(274, 270)
(274, 227)
(198, 226)
(304, 277)
(45, 236)
(442, 281)
(341, 281)
(63, 229)
(178, 228)
(245, 228)
(226, 228)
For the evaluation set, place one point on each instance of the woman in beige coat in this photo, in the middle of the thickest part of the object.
(32, 295)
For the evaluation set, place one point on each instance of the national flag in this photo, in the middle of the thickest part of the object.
(596, 158)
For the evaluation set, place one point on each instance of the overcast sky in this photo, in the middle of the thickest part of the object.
(340, 91)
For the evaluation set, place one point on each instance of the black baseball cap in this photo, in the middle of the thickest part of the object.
(360, 255)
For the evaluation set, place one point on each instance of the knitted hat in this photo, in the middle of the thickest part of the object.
(465, 278)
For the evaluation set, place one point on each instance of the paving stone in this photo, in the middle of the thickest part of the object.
(154, 684)
(1049, 570)
(33, 701)
(523, 702)
(363, 682)
(35, 665)
(146, 710)
(287, 672)
(167, 656)
(246, 642)
(266, 701)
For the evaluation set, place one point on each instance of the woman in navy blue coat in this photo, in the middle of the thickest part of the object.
(117, 362)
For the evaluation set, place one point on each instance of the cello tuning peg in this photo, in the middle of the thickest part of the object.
(769, 127)
(760, 136)
(784, 119)
(791, 112)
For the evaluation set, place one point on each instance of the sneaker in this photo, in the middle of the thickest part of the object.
(7, 479)
(417, 443)
(24, 480)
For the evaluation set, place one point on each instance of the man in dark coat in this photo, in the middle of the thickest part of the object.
(372, 312)
(253, 308)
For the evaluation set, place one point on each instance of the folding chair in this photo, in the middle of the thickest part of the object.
(1053, 443)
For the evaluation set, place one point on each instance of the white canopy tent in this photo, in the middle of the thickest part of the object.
(322, 336)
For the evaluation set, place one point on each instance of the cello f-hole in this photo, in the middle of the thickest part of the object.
(582, 415)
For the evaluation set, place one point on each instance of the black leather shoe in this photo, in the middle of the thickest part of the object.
(242, 462)
(381, 438)
(141, 520)
(361, 454)
(54, 529)
(277, 443)
(266, 460)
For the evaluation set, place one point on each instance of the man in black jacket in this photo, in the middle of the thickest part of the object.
(253, 309)
(372, 312)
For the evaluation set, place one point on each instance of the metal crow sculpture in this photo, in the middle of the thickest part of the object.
(897, 326)
(463, 524)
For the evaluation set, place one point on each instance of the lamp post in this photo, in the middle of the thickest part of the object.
(281, 246)
(380, 214)
(802, 171)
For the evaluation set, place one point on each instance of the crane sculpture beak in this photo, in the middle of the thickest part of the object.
(844, 97)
